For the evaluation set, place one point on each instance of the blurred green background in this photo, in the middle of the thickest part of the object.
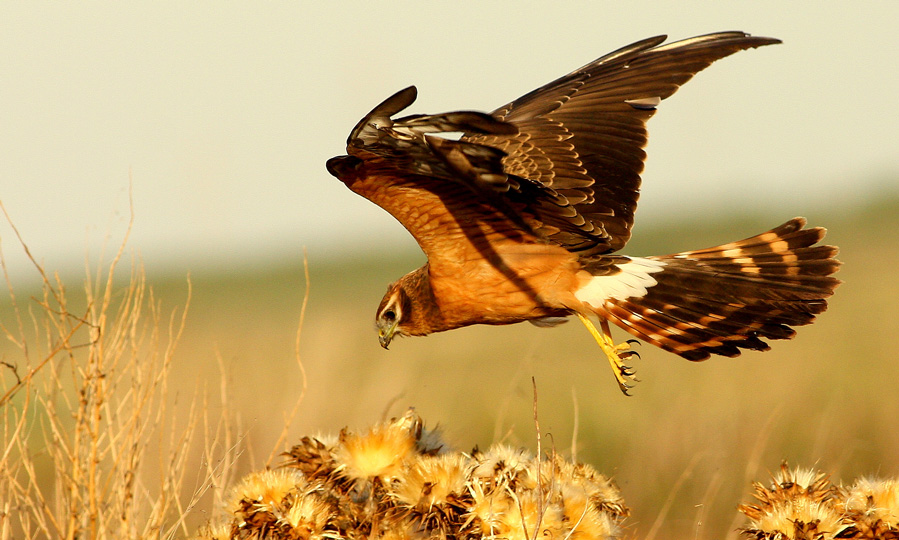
(693, 433)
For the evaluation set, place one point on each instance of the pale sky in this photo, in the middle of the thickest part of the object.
(223, 114)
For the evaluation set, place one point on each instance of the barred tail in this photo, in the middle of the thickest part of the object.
(721, 299)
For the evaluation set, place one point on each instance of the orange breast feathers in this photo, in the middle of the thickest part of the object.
(519, 282)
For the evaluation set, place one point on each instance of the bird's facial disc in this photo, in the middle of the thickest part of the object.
(388, 321)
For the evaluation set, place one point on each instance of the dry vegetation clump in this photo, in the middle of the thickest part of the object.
(93, 444)
(803, 504)
(399, 481)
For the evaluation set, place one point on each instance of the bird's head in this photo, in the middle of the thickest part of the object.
(394, 311)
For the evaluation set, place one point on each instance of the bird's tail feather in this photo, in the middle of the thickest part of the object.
(721, 299)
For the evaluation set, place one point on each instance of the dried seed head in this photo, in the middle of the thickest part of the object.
(261, 500)
(876, 498)
(488, 506)
(515, 495)
(531, 516)
(308, 515)
(799, 519)
(501, 465)
(583, 517)
(313, 457)
(432, 480)
(809, 483)
(873, 506)
(264, 491)
(380, 453)
(600, 490)
(800, 504)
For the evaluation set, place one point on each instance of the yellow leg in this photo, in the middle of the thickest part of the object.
(615, 353)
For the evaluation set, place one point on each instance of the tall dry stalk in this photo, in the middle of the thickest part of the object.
(93, 445)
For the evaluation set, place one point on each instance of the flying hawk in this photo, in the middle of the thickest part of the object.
(520, 217)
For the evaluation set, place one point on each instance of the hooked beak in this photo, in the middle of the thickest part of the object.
(386, 333)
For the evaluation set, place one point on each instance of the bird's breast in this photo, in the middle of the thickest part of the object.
(514, 283)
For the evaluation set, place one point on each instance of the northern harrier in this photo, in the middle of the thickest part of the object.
(519, 217)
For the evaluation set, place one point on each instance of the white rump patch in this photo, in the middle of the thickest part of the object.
(633, 279)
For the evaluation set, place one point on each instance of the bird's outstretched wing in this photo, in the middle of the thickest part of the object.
(583, 134)
(559, 165)
(453, 196)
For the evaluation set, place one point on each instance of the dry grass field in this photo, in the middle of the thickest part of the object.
(145, 414)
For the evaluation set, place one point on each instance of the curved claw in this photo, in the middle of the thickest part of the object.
(616, 354)
(632, 342)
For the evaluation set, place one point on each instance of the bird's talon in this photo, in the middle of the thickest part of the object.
(616, 355)
(632, 341)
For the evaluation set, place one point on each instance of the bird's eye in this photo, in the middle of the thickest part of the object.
(389, 315)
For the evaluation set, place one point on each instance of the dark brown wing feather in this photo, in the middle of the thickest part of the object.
(583, 134)
(402, 166)
(560, 164)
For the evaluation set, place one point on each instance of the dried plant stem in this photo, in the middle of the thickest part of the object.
(288, 418)
(85, 419)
